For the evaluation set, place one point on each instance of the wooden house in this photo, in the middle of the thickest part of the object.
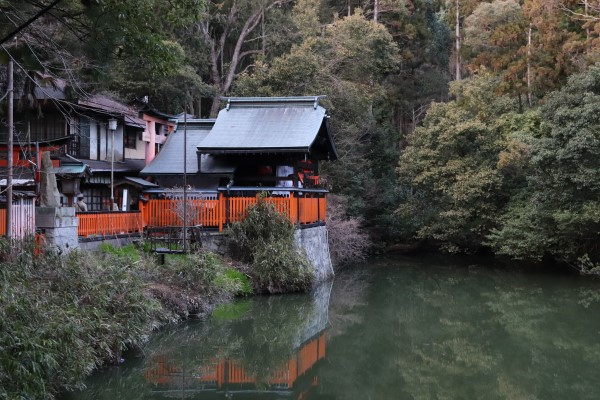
(255, 145)
(88, 156)
(246, 145)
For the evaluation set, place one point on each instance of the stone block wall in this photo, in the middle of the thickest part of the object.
(313, 241)
(59, 225)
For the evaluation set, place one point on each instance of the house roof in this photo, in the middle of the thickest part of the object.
(170, 159)
(270, 125)
(104, 104)
(126, 165)
(72, 169)
(137, 182)
(22, 176)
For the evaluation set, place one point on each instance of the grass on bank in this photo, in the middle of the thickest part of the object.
(63, 316)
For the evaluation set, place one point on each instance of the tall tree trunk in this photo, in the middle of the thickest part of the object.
(587, 9)
(529, 100)
(263, 34)
(376, 11)
(457, 33)
(222, 73)
(199, 107)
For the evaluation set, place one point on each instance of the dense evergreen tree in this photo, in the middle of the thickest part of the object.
(454, 189)
(557, 213)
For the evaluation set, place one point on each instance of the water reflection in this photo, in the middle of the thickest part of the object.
(267, 347)
(273, 349)
(392, 329)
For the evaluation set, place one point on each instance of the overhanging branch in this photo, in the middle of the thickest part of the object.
(30, 21)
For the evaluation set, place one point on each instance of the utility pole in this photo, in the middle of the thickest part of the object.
(185, 208)
(112, 127)
(9, 150)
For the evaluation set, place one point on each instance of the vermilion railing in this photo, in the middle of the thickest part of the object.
(219, 209)
(109, 223)
(169, 212)
(214, 210)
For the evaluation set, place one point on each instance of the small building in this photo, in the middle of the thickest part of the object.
(254, 142)
(87, 155)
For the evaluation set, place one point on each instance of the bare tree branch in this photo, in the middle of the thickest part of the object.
(30, 21)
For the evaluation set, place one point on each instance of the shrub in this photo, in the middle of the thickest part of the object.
(277, 268)
(265, 239)
(194, 271)
(348, 242)
(63, 316)
(129, 252)
(60, 317)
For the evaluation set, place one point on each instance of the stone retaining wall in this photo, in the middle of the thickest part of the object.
(312, 241)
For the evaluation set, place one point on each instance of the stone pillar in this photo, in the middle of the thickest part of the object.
(60, 226)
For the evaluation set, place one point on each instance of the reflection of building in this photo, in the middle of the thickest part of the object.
(305, 321)
(225, 378)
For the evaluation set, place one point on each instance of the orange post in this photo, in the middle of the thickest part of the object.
(293, 208)
(221, 212)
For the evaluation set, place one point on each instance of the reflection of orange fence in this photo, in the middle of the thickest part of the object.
(218, 374)
(222, 209)
(109, 223)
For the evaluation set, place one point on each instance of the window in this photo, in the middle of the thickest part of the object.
(130, 138)
(95, 198)
(50, 126)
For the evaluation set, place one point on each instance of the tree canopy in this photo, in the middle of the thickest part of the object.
(501, 160)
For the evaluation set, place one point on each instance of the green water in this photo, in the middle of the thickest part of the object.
(401, 328)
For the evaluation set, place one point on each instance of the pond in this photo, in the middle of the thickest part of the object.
(392, 328)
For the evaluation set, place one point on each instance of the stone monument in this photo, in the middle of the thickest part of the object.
(59, 224)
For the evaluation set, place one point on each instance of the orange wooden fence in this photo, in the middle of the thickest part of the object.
(209, 211)
(109, 223)
(217, 211)
(167, 212)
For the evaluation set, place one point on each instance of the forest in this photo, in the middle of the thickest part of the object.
(471, 126)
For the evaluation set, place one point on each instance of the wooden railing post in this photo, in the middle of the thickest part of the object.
(220, 212)
(318, 208)
(227, 209)
(293, 208)
(299, 206)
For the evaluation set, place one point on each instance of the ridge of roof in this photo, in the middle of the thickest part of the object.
(272, 101)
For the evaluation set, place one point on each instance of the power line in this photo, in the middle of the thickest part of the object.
(30, 21)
